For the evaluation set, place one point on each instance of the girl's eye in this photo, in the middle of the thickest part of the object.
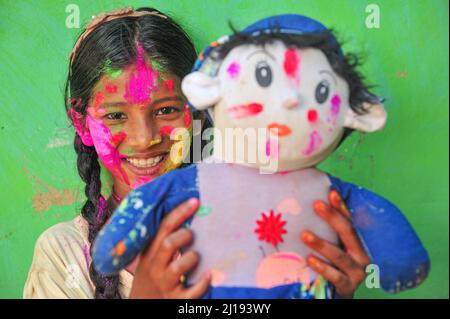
(116, 116)
(167, 110)
(263, 74)
(322, 91)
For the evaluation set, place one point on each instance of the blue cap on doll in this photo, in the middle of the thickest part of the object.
(294, 24)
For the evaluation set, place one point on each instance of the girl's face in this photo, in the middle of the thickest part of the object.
(131, 116)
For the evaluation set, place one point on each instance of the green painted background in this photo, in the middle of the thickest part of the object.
(408, 162)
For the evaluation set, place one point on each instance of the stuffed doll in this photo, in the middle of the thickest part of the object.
(287, 77)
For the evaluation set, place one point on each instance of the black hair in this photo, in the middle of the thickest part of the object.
(114, 44)
(345, 66)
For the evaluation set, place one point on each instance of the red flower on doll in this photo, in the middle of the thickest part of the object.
(270, 228)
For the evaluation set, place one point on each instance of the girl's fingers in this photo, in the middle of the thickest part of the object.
(341, 281)
(197, 290)
(344, 229)
(180, 267)
(335, 255)
(170, 246)
(337, 203)
(172, 222)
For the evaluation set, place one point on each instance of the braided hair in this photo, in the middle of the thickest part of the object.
(113, 43)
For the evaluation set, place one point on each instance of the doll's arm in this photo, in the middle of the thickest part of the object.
(388, 238)
(136, 221)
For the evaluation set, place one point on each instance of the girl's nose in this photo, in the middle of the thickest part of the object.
(145, 136)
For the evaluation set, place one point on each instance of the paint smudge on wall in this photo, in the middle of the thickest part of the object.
(291, 63)
(233, 70)
(6, 236)
(315, 140)
(243, 111)
(43, 200)
(402, 74)
(139, 86)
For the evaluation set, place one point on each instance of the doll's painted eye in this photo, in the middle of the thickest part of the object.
(263, 74)
(322, 91)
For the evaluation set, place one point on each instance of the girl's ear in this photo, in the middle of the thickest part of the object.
(373, 120)
(201, 90)
(79, 122)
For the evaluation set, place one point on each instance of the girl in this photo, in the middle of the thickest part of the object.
(125, 100)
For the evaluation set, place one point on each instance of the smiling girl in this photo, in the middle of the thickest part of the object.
(124, 100)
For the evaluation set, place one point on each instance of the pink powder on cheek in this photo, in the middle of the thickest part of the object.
(79, 125)
(291, 63)
(166, 130)
(334, 109)
(117, 138)
(187, 116)
(108, 154)
(315, 140)
(138, 88)
(233, 70)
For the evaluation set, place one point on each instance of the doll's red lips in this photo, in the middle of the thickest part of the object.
(242, 111)
(279, 129)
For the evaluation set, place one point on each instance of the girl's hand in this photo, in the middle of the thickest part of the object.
(158, 274)
(346, 268)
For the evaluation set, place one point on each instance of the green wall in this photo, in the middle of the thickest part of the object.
(407, 57)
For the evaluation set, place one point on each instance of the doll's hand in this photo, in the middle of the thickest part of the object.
(158, 274)
(346, 267)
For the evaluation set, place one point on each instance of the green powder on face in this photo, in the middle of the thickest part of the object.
(112, 73)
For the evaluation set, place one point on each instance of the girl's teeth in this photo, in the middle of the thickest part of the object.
(145, 163)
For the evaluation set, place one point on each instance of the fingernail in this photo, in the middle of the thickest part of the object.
(308, 237)
(313, 262)
(192, 202)
(319, 207)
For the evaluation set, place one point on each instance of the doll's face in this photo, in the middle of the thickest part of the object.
(293, 93)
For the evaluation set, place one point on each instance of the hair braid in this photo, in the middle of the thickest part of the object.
(95, 213)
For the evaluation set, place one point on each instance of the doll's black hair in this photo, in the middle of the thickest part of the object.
(345, 66)
(114, 44)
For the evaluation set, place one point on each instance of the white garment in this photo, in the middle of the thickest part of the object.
(60, 267)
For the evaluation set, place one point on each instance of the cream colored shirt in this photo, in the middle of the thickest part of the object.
(60, 267)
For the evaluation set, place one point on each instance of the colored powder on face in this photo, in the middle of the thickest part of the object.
(99, 98)
(141, 181)
(118, 138)
(112, 73)
(138, 88)
(312, 116)
(315, 140)
(79, 125)
(334, 109)
(291, 63)
(169, 84)
(110, 88)
(242, 111)
(166, 130)
(233, 70)
(272, 148)
(187, 116)
(108, 154)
